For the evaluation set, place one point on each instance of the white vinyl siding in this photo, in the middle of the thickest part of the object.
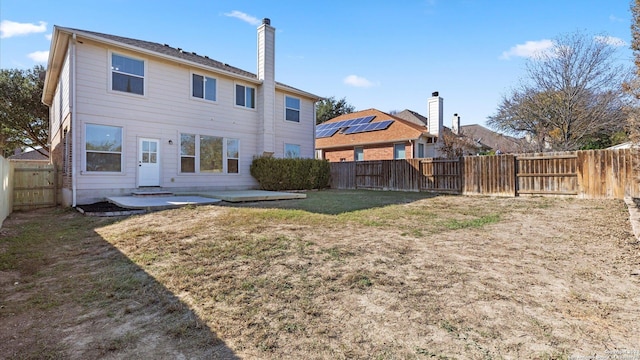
(165, 112)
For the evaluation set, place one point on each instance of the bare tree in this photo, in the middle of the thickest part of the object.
(571, 93)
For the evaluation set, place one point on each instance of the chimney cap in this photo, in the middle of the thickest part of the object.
(266, 21)
(456, 114)
(435, 93)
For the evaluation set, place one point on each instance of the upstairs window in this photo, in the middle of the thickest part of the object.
(246, 96)
(127, 74)
(203, 87)
(358, 154)
(292, 109)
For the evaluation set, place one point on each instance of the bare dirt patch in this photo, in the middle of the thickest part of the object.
(442, 277)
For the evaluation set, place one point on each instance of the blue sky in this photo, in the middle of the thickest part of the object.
(388, 55)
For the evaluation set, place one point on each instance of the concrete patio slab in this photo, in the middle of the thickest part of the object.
(250, 195)
(160, 202)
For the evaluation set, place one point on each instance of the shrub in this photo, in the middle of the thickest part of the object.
(290, 174)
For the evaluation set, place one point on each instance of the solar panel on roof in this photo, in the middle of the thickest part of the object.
(326, 133)
(369, 127)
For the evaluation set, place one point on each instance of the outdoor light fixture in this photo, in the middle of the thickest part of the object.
(170, 142)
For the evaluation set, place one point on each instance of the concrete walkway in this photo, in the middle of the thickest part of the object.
(200, 198)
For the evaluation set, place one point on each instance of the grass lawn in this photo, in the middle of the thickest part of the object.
(341, 274)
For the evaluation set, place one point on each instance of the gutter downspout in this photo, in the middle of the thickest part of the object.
(74, 162)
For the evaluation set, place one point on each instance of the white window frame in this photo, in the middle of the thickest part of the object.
(292, 108)
(196, 156)
(110, 75)
(235, 96)
(205, 78)
(292, 145)
(85, 151)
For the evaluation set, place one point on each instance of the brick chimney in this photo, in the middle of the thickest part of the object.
(455, 125)
(266, 96)
(435, 113)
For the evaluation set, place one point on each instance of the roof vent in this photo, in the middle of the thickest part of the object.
(206, 57)
(435, 93)
(266, 21)
(194, 53)
(167, 45)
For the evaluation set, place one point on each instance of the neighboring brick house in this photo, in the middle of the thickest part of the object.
(375, 135)
(372, 135)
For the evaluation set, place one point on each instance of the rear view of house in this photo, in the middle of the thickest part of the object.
(128, 114)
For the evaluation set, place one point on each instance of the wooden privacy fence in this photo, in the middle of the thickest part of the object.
(586, 174)
(35, 185)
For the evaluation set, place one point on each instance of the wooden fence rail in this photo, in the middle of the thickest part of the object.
(585, 174)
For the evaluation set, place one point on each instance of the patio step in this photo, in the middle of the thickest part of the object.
(154, 193)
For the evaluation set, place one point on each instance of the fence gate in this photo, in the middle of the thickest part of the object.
(35, 185)
(547, 175)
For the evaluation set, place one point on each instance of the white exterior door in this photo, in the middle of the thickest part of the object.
(148, 162)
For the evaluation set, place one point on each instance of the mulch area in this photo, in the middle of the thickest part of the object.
(99, 207)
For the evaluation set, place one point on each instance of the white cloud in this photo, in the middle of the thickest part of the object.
(357, 81)
(39, 56)
(48, 36)
(11, 28)
(610, 40)
(244, 17)
(615, 18)
(529, 49)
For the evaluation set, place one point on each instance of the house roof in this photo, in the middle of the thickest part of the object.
(491, 139)
(413, 117)
(62, 35)
(399, 131)
(30, 155)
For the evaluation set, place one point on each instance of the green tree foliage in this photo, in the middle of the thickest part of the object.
(24, 119)
(329, 108)
(572, 94)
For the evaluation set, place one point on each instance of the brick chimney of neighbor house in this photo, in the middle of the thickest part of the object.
(455, 124)
(266, 92)
(434, 113)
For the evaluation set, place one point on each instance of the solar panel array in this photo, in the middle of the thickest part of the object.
(368, 127)
(352, 126)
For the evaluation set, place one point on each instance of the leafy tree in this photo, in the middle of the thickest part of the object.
(453, 146)
(24, 119)
(571, 94)
(329, 108)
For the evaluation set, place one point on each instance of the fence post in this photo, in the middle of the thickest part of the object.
(515, 176)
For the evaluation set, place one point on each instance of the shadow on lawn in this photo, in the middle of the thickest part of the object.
(68, 293)
(334, 202)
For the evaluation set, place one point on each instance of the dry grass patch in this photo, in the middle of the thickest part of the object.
(448, 277)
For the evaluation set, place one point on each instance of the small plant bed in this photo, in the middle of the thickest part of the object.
(105, 208)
